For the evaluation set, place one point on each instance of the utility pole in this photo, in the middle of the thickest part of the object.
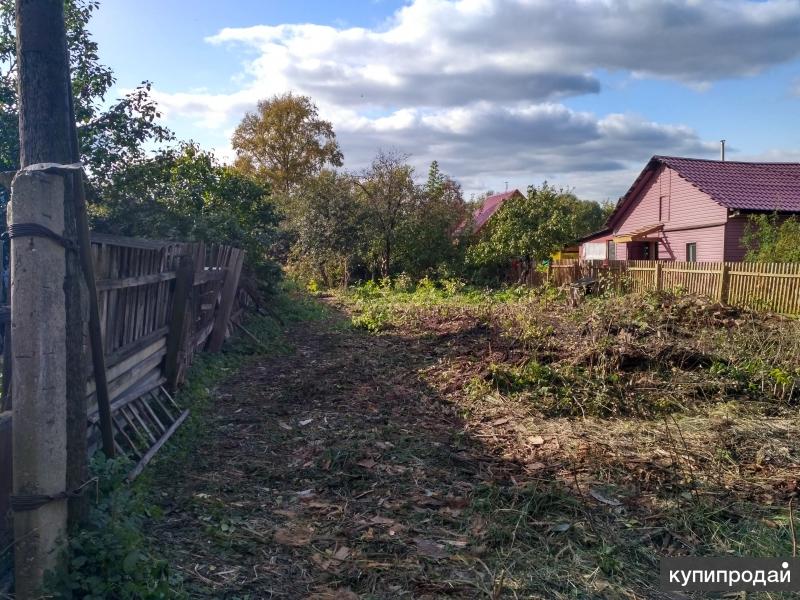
(48, 374)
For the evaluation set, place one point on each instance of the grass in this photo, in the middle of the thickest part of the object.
(678, 414)
(436, 440)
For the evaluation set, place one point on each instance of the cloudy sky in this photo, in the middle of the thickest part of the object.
(577, 92)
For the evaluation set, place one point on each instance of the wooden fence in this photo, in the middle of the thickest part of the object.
(771, 287)
(160, 303)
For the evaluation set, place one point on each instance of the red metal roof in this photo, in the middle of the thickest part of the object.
(488, 207)
(742, 185)
(764, 187)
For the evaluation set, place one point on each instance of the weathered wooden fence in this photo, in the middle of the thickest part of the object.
(160, 303)
(761, 286)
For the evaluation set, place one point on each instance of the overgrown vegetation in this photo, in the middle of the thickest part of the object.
(772, 238)
(111, 554)
(437, 439)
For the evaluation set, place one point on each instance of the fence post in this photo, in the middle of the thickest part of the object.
(549, 272)
(659, 277)
(223, 316)
(176, 338)
(722, 289)
(38, 319)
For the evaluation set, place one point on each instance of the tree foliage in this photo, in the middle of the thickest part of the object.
(184, 193)
(428, 238)
(330, 233)
(108, 137)
(285, 141)
(389, 194)
(528, 228)
(772, 238)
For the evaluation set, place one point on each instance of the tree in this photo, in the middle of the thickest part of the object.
(330, 232)
(389, 194)
(107, 138)
(771, 238)
(528, 229)
(427, 236)
(285, 142)
(184, 193)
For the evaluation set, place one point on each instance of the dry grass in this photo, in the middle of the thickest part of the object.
(492, 446)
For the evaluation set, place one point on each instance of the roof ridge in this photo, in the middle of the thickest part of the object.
(662, 157)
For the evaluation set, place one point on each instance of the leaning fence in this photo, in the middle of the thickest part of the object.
(160, 303)
(771, 287)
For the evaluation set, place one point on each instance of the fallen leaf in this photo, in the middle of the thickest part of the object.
(305, 493)
(378, 520)
(501, 421)
(331, 594)
(284, 425)
(536, 440)
(305, 422)
(536, 466)
(367, 463)
(604, 499)
(342, 553)
(300, 536)
(560, 527)
(430, 548)
(456, 543)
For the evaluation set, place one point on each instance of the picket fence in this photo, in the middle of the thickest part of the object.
(773, 287)
(160, 303)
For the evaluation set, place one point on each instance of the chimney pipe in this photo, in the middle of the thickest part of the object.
(722, 149)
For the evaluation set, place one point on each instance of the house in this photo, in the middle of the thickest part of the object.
(690, 209)
(489, 206)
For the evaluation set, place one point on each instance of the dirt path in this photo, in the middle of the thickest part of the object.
(333, 472)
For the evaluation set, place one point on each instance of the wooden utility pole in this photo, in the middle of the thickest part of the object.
(49, 374)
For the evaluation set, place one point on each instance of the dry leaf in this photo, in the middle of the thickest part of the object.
(536, 440)
(304, 423)
(378, 520)
(430, 548)
(342, 553)
(367, 463)
(604, 499)
(300, 536)
(284, 425)
(331, 594)
(501, 421)
(536, 466)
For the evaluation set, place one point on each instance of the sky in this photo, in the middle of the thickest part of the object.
(579, 93)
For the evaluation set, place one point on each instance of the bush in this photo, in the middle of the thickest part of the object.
(108, 557)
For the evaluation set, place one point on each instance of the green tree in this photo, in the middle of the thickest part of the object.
(389, 194)
(108, 137)
(528, 229)
(285, 141)
(427, 237)
(185, 194)
(330, 231)
(772, 238)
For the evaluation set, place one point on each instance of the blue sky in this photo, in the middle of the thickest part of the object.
(578, 92)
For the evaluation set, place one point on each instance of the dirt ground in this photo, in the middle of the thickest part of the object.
(348, 468)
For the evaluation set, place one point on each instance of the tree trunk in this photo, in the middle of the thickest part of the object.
(45, 129)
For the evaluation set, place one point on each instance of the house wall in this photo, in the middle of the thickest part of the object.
(669, 199)
(734, 230)
(710, 244)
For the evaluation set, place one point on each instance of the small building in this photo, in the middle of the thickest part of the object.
(489, 206)
(690, 209)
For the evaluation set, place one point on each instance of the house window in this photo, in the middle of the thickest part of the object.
(611, 253)
(691, 252)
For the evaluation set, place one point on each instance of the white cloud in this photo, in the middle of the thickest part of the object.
(478, 84)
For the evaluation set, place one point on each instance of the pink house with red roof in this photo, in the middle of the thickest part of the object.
(690, 209)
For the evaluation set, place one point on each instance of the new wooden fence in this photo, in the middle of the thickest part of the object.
(160, 303)
(761, 286)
